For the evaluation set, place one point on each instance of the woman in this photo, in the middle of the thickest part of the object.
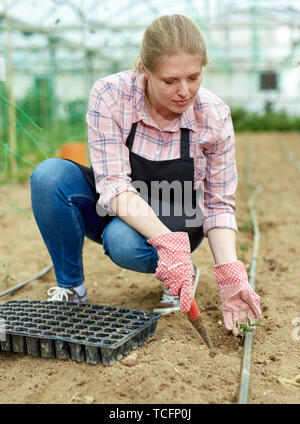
(156, 139)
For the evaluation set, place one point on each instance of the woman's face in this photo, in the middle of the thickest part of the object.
(173, 86)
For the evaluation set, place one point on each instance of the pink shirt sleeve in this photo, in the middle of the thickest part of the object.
(108, 152)
(221, 181)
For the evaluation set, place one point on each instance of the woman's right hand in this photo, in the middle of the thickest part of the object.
(174, 268)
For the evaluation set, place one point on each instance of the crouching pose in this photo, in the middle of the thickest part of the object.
(163, 177)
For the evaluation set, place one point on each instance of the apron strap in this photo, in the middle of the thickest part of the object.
(184, 141)
(130, 138)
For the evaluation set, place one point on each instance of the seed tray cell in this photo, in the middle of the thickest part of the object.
(82, 332)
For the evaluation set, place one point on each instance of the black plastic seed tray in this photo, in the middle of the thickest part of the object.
(82, 332)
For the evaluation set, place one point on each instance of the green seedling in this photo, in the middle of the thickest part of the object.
(7, 278)
(244, 247)
(246, 227)
(246, 328)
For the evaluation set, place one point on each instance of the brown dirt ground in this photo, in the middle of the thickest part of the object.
(174, 366)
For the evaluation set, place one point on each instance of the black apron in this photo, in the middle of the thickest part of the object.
(177, 209)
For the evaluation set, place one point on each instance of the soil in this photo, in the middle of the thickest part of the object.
(174, 365)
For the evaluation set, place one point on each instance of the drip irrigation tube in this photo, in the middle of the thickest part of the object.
(246, 363)
(289, 155)
(247, 351)
(24, 283)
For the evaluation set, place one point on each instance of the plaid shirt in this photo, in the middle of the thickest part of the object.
(118, 100)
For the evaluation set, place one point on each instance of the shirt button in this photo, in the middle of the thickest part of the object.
(157, 152)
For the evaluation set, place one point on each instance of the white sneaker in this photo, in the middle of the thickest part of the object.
(66, 295)
(170, 303)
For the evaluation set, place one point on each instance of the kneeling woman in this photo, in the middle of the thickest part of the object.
(152, 125)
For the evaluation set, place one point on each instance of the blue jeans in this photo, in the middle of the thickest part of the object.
(63, 205)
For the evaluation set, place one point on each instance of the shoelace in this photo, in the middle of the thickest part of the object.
(59, 293)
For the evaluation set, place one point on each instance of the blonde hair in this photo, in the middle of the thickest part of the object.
(166, 36)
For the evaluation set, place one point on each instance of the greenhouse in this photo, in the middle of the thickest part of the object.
(118, 327)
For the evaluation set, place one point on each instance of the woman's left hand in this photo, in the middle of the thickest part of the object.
(239, 300)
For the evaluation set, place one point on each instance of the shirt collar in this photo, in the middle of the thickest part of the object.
(186, 120)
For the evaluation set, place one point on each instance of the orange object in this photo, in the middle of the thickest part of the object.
(194, 317)
(194, 311)
(74, 151)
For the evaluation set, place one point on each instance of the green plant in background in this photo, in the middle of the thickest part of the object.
(77, 111)
(39, 103)
(3, 112)
(45, 122)
(270, 120)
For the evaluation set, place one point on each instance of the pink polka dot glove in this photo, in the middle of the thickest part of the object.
(239, 300)
(174, 267)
